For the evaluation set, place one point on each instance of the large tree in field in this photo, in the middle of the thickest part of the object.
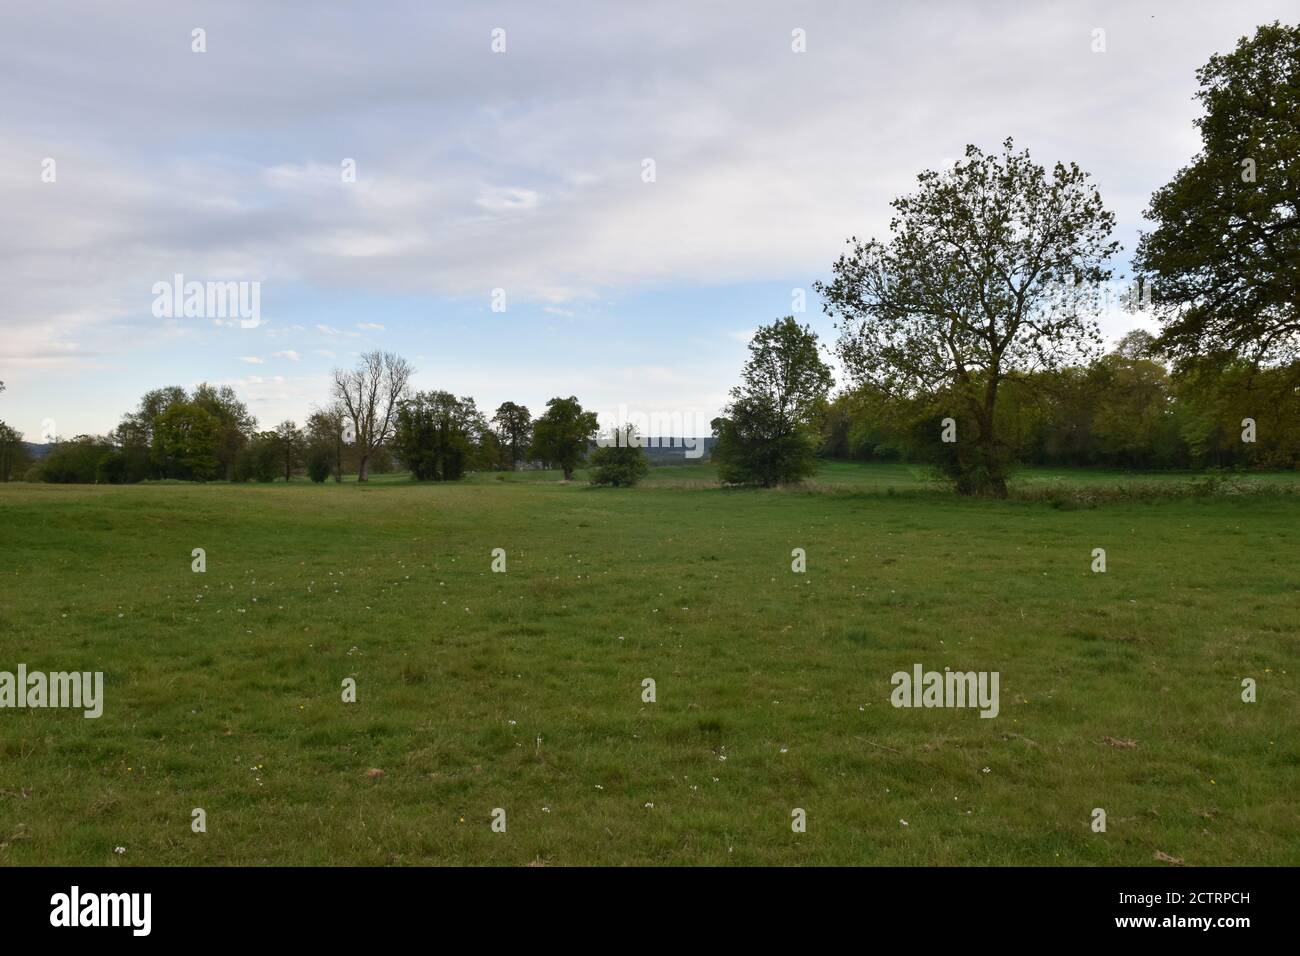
(1224, 258)
(768, 435)
(563, 433)
(515, 426)
(370, 395)
(993, 268)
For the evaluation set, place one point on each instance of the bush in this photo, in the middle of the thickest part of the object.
(259, 459)
(76, 461)
(621, 465)
(112, 469)
(319, 464)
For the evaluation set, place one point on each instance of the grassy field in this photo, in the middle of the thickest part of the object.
(522, 690)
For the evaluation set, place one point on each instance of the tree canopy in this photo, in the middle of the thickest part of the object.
(1224, 257)
(993, 267)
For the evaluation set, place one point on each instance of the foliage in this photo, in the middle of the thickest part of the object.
(768, 434)
(73, 462)
(437, 435)
(14, 457)
(621, 461)
(319, 463)
(260, 458)
(1224, 257)
(185, 441)
(514, 424)
(562, 434)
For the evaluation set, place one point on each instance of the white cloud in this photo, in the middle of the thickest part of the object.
(524, 172)
(766, 159)
(507, 199)
(333, 332)
(252, 360)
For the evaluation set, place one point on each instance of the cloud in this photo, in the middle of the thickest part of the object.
(332, 332)
(252, 360)
(372, 326)
(289, 354)
(524, 171)
(507, 199)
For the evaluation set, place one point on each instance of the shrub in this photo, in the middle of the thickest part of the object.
(319, 464)
(621, 463)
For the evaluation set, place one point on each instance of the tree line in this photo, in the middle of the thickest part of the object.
(373, 424)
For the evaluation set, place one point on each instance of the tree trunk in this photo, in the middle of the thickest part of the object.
(363, 469)
(996, 481)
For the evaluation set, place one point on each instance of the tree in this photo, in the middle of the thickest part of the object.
(154, 403)
(563, 433)
(289, 445)
(14, 457)
(492, 454)
(236, 424)
(515, 427)
(133, 443)
(327, 435)
(622, 462)
(992, 270)
(136, 432)
(371, 395)
(261, 458)
(1224, 258)
(1215, 398)
(185, 441)
(437, 434)
(769, 433)
(1131, 423)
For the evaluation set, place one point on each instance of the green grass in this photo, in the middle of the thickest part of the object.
(523, 690)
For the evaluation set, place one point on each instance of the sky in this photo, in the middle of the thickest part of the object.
(386, 177)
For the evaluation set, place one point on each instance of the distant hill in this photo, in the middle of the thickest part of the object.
(37, 451)
(661, 454)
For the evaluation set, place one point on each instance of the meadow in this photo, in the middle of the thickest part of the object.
(522, 690)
